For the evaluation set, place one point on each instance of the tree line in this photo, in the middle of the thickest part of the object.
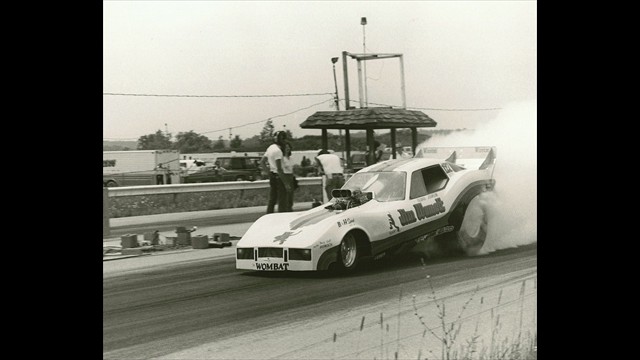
(191, 142)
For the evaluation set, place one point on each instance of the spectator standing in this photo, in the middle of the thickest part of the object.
(377, 152)
(278, 185)
(287, 169)
(330, 166)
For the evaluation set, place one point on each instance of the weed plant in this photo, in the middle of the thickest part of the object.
(519, 346)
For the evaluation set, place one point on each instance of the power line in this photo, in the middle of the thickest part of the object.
(435, 109)
(119, 139)
(305, 108)
(215, 96)
(251, 123)
(273, 117)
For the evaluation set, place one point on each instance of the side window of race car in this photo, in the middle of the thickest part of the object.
(427, 181)
(418, 187)
(434, 179)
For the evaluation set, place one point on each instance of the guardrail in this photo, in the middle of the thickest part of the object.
(202, 187)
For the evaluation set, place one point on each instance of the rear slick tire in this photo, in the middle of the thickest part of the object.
(473, 230)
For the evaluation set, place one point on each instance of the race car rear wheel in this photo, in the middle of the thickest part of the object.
(348, 252)
(473, 230)
(470, 230)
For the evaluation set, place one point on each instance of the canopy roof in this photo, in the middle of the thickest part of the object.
(370, 118)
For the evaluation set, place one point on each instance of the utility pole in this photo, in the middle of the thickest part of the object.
(335, 82)
(363, 22)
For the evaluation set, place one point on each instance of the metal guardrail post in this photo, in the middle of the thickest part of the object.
(106, 227)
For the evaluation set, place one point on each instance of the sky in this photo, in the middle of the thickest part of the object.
(223, 68)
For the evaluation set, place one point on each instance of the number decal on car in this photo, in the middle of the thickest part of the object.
(447, 168)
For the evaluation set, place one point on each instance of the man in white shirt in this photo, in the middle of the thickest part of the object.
(279, 184)
(330, 165)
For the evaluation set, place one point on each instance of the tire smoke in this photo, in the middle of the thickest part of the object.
(512, 206)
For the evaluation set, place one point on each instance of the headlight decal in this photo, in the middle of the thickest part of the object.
(244, 253)
(300, 254)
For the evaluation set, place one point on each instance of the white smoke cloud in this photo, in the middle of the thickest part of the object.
(512, 207)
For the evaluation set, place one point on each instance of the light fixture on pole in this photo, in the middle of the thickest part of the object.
(363, 22)
(334, 61)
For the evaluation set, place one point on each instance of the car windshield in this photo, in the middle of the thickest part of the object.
(385, 185)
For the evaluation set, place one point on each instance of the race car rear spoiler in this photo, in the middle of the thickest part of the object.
(469, 157)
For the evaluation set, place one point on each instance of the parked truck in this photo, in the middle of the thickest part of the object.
(140, 167)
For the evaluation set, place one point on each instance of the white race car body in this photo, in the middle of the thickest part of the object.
(390, 206)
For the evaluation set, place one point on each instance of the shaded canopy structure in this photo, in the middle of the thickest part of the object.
(369, 119)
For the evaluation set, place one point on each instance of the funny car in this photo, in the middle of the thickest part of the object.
(383, 209)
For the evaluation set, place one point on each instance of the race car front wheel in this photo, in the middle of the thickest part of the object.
(348, 253)
(473, 230)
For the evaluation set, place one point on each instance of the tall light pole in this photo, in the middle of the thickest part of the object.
(363, 22)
